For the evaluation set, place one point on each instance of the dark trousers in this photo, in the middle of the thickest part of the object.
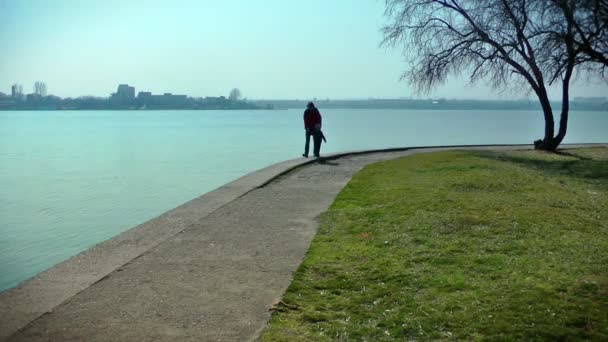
(316, 137)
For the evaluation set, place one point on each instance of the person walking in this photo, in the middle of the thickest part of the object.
(312, 125)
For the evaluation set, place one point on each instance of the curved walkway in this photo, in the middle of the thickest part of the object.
(206, 271)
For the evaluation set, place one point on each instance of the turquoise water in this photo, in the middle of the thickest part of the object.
(69, 180)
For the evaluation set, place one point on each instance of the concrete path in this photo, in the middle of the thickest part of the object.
(212, 279)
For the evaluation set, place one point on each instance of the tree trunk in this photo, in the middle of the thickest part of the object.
(571, 54)
(563, 121)
(547, 143)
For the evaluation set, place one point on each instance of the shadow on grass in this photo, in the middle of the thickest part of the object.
(575, 165)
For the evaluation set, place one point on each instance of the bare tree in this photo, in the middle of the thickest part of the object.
(40, 88)
(235, 94)
(589, 20)
(508, 43)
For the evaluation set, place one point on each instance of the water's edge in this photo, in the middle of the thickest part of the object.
(48, 289)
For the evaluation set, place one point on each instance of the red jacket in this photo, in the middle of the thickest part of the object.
(312, 117)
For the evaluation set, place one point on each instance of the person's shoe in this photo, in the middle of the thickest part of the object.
(317, 156)
(305, 155)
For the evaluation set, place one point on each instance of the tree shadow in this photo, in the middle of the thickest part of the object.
(576, 166)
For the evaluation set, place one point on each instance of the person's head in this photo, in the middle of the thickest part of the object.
(310, 105)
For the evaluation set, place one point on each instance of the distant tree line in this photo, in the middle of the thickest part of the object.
(598, 104)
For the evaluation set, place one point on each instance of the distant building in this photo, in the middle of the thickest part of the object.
(124, 98)
(167, 100)
(16, 91)
(144, 95)
(6, 101)
(125, 91)
(124, 95)
(216, 102)
(33, 98)
(144, 98)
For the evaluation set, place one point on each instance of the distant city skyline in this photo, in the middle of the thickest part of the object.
(125, 98)
(133, 90)
(270, 50)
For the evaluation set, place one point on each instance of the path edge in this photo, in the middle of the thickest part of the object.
(47, 290)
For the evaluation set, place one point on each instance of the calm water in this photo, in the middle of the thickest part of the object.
(69, 180)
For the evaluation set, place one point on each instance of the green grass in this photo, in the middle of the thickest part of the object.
(458, 245)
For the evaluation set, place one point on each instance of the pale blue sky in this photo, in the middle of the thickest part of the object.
(269, 49)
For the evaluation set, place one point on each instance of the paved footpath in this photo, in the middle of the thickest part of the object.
(214, 280)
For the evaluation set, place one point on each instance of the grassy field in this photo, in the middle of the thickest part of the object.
(459, 245)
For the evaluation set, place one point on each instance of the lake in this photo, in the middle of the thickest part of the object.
(71, 179)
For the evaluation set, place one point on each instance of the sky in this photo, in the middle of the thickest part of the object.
(269, 49)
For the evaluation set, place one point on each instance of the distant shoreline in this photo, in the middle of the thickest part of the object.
(281, 108)
(580, 104)
(123, 110)
(589, 104)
